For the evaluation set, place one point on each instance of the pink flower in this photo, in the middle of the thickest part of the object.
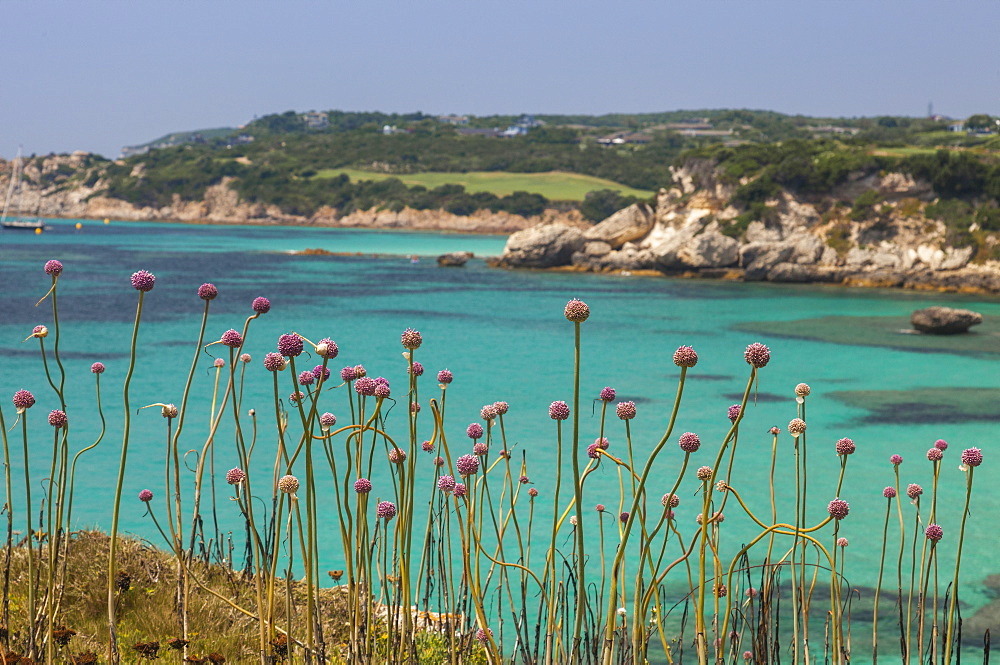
(385, 510)
(445, 376)
(577, 311)
(23, 400)
(914, 490)
(797, 427)
(207, 291)
(845, 446)
(625, 410)
(607, 394)
(558, 410)
(934, 532)
(411, 339)
(232, 339)
(838, 509)
(58, 418)
(467, 465)
(146, 496)
(290, 345)
(474, 431)
(972, 457)
(689, 442)
(261, 305)
(685, 356)
(889, 492)
(235, 476)
(143, 280)
(53, 268)
(97, 368)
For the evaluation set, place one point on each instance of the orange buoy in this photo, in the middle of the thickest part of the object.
(79, 226)
(38, 232)
(106, 220)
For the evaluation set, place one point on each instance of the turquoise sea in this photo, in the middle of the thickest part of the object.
(503, 335)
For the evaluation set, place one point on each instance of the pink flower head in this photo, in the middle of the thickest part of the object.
(445, 376)
(232, 339)
(602, 443)
(219, 362)
(411, 339)
(484, 635)
(385, 510)
(689, 442)
(607, 394)
(802, 390)
(328, 419)
(58, 418)
(757, 355)
(397, 455)
(146, 496)
(703, 473)
(889, 492)
(347, 374)
(600, 508)
(97, 368)
(670, 499)
(524, 480)
(320, 372)
(208, 291)
(382, 390)
(362, 486)
(623, 517)
(558, 410)
(467, 465)
(685, 356)
(842, 542)
(576, 311)
(896, 460)
(532, 492)
(504, 454)
(934, 532)
(296, 397)
(414, 407)
(288, 484)
(625, 410)
(23, 400)
(592, 451)
(446, 483)
(734, 413)
(845, 446)
(501, 407)
(934, 454)
(359, 371)
(168, 411)
(438, 461)
(775, 431)
(143, 280)
(914, 490)
(274, 362)
(796, 427)
(427, 447)
(941, 444)
(480, 449)
(327, 348)
(460, 490)
(245, 357)
(39, 331)
(752, 592)
(720, 590)
(488, 412)
(474, 431)
(236, 476)
(417, 369)
(365, 386)
(261, 305)
(53, 268)
(972, 457)
(838, 509)
(290, 345)
(748, 655)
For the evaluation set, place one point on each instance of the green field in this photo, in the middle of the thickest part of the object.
(553, 185)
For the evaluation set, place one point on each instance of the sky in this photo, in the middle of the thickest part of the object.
(97, 75)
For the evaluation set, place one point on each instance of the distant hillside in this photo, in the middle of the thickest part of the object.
(198, 136)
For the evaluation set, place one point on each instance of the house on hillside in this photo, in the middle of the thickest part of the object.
(316, 120)
(621, 138)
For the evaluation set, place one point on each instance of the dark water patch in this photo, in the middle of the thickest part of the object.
(694, 376)
(759, 397)
(923, 405)
(891, 332)
(7, 352)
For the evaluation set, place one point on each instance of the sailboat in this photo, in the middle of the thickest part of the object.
(16, 221)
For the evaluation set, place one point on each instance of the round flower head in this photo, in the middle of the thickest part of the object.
(274, 362)
(558, 410)
(53, 267)
(359, 371)
(689, 442)
(146, 496)
(896, 460)
(889, 492)
(23, 400)
(385, 510)
(670, 499)
(328, 419)
(480, 449)
(245, 357)
(347, 374)
(592, 451)
(460, 490)
(362, 486)
(775, 431)
(685, 356)
(720, 590)
(208, 291)
(416, 369)
(467, 465)
(381, 380)
(934, 454)
(796, 427)
(288, 484)
(427, 447)
(58, 418)
(625, 410)
(941, 444)
(290, 345)
(504, 454)
(501, 407)
(602, 443)
(411, 339)
(524, 480)
(600, 508)
(623, 517)
(576, 311)
(261, 305)
(483, 636)
(143, 280)
(734, 413)
(365, 386)
(488, 412)
(446, 483)
(838, 509)
(842, 542)
(474, 431)
(914, 490)
(845, 446)
(219, 362)
(972, 457)
(169, 411)
(296, 397)
(934, 532)
(802, 390)
(414, 407)
(752, 592)
(532, 492)
(97, 368)
(236, 476)
(306, 378)
(703, 473)
(572, 520)
(232, 339)
(721, 486)
(327, 348)
(438, 461)
(757, 355)
(320, 372)
(382, 390)
(607, 394)
(39, 331)
(397, 455)
(445, 376)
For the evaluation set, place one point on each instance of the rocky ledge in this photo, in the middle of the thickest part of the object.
(694, 231)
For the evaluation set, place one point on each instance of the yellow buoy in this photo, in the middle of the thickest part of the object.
(79, 226)
(106, 220)
(38, 232)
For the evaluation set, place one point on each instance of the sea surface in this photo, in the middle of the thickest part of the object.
(503, 335)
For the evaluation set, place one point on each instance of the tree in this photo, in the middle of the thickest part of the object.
(979, 121)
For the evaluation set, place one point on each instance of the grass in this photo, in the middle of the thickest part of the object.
(553, 185)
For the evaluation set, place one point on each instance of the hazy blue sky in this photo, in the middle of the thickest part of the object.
(99, 74)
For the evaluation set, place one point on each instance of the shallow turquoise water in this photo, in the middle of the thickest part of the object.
(503, 335)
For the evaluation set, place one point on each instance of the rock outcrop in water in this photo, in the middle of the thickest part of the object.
(694, 230)
(944, 320)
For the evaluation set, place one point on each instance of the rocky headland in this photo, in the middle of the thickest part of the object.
(694, 230)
